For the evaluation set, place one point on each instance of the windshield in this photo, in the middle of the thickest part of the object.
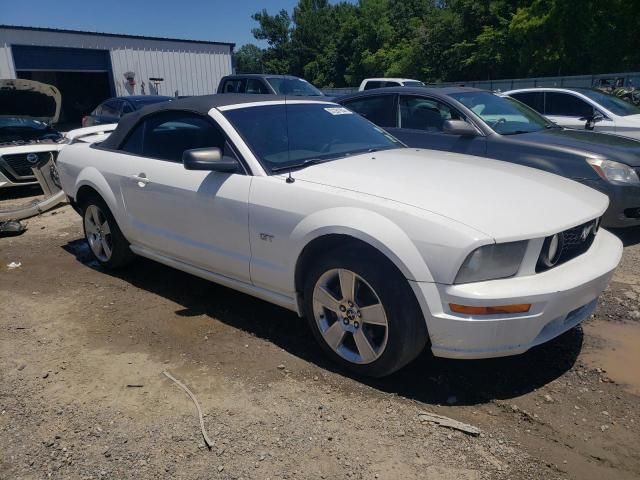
(14, 129)
(612, 103)
(294, 86)
(504, 115)
(282, 136)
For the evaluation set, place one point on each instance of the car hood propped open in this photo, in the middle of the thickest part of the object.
(505, 201)
(29, 99)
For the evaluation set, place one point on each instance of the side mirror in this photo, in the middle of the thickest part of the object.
(591, 120)
(209, 159)
(459, 127)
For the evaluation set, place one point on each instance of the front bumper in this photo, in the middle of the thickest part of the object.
(624, 207)
(624, 204)
(560, 298)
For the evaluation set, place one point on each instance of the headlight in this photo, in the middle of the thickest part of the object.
(614, 172)
(499, 260)
(551, 250)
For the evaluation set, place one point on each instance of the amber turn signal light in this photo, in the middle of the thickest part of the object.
(495, 310)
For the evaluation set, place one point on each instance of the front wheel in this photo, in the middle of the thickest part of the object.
(363, 312)
(106, 242)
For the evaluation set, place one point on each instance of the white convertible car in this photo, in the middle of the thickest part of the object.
(384, 249)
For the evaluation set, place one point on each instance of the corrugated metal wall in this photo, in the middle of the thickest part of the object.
(189, 68)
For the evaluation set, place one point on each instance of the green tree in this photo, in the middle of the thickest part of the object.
(311, 37)
(444, 40)
(276, 30)
(248, 59)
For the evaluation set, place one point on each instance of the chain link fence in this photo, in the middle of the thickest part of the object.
(625, 79)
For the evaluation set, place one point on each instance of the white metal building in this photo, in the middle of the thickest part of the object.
(89, 67)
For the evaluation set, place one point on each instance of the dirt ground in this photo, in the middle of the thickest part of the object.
(82, 394)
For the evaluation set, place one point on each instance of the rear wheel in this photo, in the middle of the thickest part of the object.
(106, 242)
(363, 312)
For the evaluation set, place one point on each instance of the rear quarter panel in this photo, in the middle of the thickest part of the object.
(81, 164)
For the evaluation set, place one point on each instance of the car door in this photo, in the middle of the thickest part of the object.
(234, 85)
(257, 86)
(379, 109)
(534, 100)
(421, 122)
(197, 217)
(570, 111)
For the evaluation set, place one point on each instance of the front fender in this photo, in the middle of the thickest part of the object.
(369, 227)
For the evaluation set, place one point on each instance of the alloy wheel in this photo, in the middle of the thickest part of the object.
(350, 316)
(98, 233)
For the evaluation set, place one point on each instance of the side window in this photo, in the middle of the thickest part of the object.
(126, 108)
(167, 135)
(111, 108)
(567, 105)
(133, 143)
(420, 113)
(373, 84)
(234, 85)
(392, 84)
(380, 110)
(533, 99)
(255, 85)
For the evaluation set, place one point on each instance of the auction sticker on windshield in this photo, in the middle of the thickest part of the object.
(338, 111)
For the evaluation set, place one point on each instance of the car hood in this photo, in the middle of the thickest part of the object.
(505, 201)
(29, 99)
(583, 142)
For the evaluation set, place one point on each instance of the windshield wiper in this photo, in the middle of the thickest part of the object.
(517, 132)
(306, 163)
(314, 161)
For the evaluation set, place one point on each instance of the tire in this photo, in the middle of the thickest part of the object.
(106, 242)
(341, 322)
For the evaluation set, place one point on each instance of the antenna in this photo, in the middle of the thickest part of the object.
(290, 179)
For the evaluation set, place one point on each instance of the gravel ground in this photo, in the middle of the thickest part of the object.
(82, 395)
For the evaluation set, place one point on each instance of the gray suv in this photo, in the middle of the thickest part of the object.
(477, 122)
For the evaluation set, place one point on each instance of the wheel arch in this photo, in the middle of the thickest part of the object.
(331, 228)
(91, 181)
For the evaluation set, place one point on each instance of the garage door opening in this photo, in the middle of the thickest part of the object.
(81, 92)
(82, 75)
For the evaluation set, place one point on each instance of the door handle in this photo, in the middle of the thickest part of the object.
(142, 179)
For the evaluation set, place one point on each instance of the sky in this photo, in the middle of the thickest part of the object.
(222, 21)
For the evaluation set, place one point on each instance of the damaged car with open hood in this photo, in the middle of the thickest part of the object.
(28, 109)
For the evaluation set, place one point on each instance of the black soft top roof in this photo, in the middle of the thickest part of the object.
(201, 105)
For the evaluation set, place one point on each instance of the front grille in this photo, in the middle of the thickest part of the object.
(574, 242)
(18, 168)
